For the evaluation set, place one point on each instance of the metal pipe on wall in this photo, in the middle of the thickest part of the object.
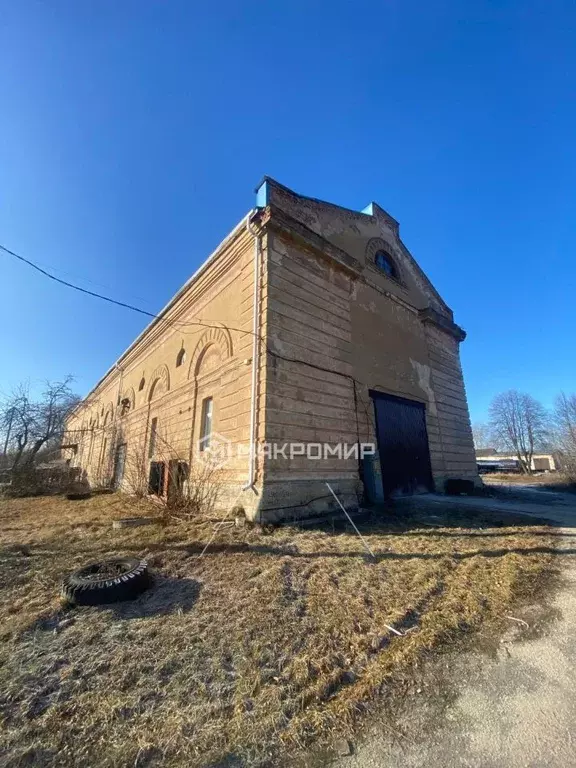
(255, 358)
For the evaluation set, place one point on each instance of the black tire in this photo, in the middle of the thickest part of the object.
(122, 578)
(78, 496)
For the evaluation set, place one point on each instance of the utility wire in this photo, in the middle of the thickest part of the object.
(76, 287)
(174, 323)
(180, 323)
(88, 281)
(115, 301)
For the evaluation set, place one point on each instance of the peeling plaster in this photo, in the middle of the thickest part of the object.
(423, 373)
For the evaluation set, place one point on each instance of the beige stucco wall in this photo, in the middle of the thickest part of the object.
(308, 329)
(343, 314)
(332, 327)
(218, 364)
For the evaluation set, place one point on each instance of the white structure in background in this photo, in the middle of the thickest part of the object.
(489, 460)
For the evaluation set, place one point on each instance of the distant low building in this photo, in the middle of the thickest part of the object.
(490, 460)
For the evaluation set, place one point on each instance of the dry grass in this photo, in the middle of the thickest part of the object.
(555, 481)
(263, 646)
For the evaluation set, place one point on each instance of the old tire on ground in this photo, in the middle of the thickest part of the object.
(110, 581)
(78, 496)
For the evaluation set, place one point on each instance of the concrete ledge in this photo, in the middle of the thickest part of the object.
(133, 522)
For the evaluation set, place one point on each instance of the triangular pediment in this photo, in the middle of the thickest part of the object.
(362, 235)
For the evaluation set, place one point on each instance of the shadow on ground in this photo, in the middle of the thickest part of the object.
(166, 596)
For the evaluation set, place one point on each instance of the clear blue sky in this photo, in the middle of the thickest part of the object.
(133, 133)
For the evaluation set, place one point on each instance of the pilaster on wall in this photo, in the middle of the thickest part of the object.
(448, 420)
(250, 498)
(309, 395)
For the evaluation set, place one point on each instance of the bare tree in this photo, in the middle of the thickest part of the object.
(30, 425)
(18, 416)
(50, 414)
(481, 434)
(564, 421)
(520, 424)
(7, 417)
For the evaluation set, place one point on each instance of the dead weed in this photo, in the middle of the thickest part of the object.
(263, 646)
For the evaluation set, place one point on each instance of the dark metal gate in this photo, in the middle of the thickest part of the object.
(402, 445)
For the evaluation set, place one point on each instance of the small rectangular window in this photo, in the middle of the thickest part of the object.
(152, 443)
(206, 424)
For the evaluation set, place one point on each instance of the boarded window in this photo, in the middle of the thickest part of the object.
(206, 424)
(177, 476)
(153, 433)
(156, 478)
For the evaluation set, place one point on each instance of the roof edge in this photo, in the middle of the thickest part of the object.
(263, 199)
(178, 295)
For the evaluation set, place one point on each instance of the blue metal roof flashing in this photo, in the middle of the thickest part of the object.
(262, 194)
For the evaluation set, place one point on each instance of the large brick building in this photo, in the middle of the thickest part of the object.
(310, 325)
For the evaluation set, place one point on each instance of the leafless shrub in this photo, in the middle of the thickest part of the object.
(30, 480)
(184, 490)
(194, 491)
(136, 472)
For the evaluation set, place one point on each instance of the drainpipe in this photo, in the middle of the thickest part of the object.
(119, 393)
(255, 358)
(114, 440)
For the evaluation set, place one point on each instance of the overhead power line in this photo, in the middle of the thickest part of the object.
(75, 287)
(114, 301)
(175, 323)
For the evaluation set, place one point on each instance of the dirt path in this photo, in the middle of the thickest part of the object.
(555, 506)
(516, 709)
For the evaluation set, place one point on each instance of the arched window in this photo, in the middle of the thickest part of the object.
(142, 384)
(181, 357)
(384, 262)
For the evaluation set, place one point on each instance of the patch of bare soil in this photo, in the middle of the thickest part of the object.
(264, 646)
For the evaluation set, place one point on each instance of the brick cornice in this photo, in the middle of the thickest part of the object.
(433, 317)
(279, 221)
